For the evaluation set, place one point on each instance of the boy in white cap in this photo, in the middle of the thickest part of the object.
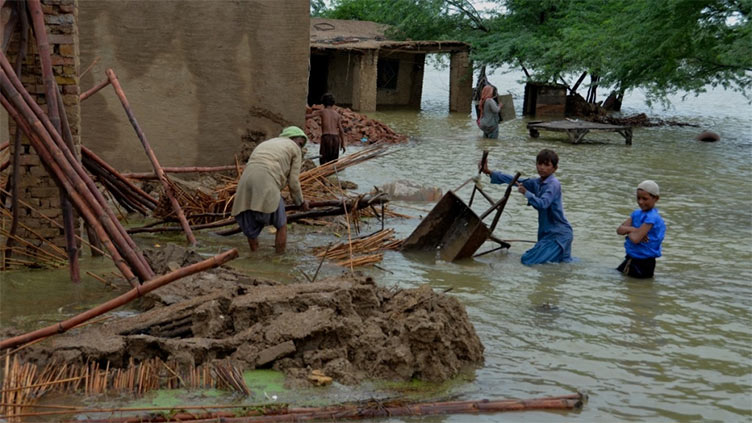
(274, 164)
(644, 230)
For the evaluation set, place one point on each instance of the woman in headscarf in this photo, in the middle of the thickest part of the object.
(489, 112)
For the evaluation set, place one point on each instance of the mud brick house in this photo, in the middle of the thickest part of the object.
(201, 77)
(364, 70)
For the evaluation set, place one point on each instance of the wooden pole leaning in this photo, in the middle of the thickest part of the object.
(95, 245)
(94, 90)
(16, 169)
(37, 117)
(70, 174)
(60, 177)
(54, 111)
(152, 157)
(129, 296)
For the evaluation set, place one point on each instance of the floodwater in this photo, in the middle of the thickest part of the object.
(674, 348)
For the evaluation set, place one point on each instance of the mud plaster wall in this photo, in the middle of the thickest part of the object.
(410, 74)
(340, 76)
(35, 185)
(460, 82)
(201, 76)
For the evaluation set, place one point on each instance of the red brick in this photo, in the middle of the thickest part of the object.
(59, 60)
(67, 50)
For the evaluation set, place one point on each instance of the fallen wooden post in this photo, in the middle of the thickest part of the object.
(152, 157)
(129, 296)
(373, 409)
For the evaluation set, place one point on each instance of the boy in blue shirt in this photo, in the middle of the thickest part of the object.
(544, 194)
(645, 231)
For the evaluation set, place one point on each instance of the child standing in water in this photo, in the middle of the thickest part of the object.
(544, 194)
(332, 134)
(644, 230)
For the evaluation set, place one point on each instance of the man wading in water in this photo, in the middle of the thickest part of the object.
(273, 164)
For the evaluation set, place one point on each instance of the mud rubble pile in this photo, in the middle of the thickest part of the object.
(349, 328)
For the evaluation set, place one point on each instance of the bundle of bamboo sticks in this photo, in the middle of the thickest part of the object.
(362, 251)
(125, 192)
(44, 133)
(214, 204)
(37, 252)
(23, 384)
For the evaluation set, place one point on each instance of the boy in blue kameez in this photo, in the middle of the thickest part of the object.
(544, 194)
(644, 231)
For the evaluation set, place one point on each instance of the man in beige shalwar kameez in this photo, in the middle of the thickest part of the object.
(274, 164)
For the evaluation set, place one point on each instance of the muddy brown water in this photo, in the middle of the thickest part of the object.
(675, 348)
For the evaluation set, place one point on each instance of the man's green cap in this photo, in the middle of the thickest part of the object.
(293, 131)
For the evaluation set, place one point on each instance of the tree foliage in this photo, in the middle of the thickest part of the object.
(662, 46)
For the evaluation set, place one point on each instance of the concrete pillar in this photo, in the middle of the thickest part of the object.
(35, 185)
(365, 70)
(460, 82)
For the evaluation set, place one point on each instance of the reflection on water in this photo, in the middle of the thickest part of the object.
(676, 348)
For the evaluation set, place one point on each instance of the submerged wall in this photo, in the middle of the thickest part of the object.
(201, 76)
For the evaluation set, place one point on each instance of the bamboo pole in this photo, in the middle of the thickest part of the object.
(54, 168)
(152, 157)
(370, 410)
(16, 141)
(94, 90)
(184, 169)
(79, 178)
(114, 227)
(54, 112)
(134, 293)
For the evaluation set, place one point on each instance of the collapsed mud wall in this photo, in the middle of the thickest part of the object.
(201, 76)
(349, 328)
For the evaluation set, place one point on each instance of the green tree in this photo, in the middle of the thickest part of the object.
(662, 46)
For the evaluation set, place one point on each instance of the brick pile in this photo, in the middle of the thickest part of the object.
(359, 129)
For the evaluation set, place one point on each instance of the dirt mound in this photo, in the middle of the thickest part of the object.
(349, 328)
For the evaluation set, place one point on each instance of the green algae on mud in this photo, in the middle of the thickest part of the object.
(169, 398)
(264, 381)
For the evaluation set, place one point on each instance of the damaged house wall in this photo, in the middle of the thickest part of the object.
(201, 76)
